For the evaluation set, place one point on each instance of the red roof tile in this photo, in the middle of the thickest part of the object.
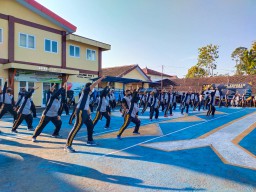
(153, 72)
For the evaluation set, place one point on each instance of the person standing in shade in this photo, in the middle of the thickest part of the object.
(131, 116)
(24, 112)
(226, 99)
(185, 101)
(102, 108)
(83, 116)
(154, 106)
(211, 104)
(168, 101)
(51, 113)
(8, 103)
(196, 101)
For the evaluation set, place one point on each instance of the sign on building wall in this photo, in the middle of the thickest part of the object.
(35, 76)
(233, 88)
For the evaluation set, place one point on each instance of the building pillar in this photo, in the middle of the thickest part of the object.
(64, 78)
(11, 75)
(11, 39)
(63, 50)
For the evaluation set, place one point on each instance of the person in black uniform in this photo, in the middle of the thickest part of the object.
(102, 108)
(51, 113)
(64, 103)
(185, 102)
(131, 115)
(83, 116)
(73, 115)
(211, 104)
(8, 103)
(24, 111)
(20, 97)
(154, 106)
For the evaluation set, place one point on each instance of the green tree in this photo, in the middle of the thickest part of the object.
(248, 62)
(236, 55)
(207, 58)
(196, 71)
(245, 60)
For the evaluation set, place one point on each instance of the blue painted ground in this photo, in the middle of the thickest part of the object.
(123, 165)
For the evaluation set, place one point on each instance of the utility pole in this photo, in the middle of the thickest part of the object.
(162, 78)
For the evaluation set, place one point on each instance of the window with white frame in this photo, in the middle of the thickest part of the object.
(26, 85)
(50, 46)
(1, 35)
(74, 51)
(90, 55)
(27, 41)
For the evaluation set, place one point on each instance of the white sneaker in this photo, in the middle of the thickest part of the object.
(33, 139)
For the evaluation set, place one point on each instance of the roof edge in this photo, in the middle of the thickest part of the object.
(48, 14)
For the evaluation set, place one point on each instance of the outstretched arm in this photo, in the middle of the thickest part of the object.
(96, 82)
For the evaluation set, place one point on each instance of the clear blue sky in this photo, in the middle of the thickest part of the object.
(162, 32)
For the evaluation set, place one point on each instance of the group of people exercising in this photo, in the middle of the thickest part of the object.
(133, 100)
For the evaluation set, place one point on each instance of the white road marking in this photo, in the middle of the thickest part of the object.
(188, 127)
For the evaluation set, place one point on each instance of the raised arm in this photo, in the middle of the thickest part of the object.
(96, 83)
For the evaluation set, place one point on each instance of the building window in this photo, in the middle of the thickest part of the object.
(51, 46)
(26, 85)
(27, 41)
(90, 55)
(74, 51)
(1, 82)
(1, 35)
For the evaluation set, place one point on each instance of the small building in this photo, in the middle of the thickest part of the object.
(156, 76)
(127, 71)
(38, 48)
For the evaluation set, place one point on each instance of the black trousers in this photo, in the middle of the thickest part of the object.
(196, 104)
(174, 105)
(8, 108)
(162, 105)
(145, 108)
(97, 118)
(183, 107)
(44, 121)
(1, 105)
(81, 117)
(127, 120)
(33, 109)
(72, 116)
(152, 111)
(91, 107)
(65, 107)
(211, 110)
(109, 109)
(168, 108)
(28, 118)
(200, 103)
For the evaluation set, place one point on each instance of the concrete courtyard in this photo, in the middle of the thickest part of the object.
(179, 153)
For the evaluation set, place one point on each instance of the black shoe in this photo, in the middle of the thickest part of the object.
(69, 149)
(91, 143)
(136, 133)
(14, 131)
(56, 136)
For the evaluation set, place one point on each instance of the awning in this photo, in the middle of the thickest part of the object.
(119, 80)
(40, 68)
